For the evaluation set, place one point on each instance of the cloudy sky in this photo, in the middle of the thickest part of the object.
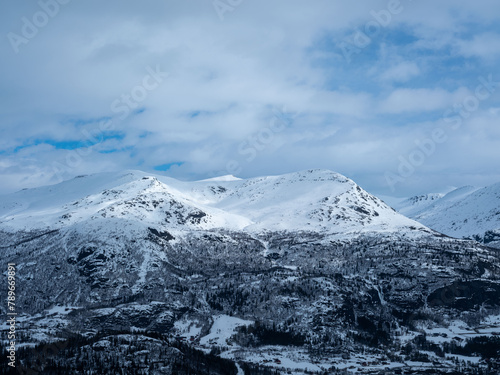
(401, 96)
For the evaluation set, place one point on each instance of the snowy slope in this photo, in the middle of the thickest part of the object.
(413, 205)
(464, 212)
(314, 200)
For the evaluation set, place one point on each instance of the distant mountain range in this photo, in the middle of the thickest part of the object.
(466, 212)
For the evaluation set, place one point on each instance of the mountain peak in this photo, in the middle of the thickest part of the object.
(315, 200)
(225, 178)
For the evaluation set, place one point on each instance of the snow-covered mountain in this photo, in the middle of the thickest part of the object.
(229, 276)
(466, 212)
(314, 200)
(418, 203)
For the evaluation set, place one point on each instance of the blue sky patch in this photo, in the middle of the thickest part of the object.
(167, 166)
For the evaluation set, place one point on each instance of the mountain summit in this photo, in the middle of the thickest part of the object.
(315, 200)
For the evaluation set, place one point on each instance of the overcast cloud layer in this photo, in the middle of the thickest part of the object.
(401, 96)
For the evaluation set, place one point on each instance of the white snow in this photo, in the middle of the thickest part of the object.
(222, 329)
(187, 328)
(313, 200)
(63, 310)
(463, 212)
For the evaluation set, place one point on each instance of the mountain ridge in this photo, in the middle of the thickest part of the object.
(465, 212)
(315, 200)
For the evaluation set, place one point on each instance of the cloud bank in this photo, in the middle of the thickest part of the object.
(203, 88)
